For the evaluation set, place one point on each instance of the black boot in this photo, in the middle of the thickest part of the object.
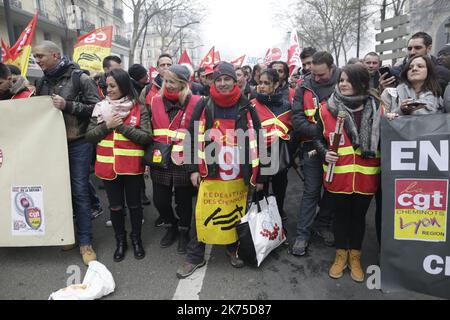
(121, 247)
(136, 242)
(170, 237)
(183, 240)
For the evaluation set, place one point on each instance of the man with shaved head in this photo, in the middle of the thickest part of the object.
(75, 94)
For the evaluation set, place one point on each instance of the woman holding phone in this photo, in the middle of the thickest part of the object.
(417, 94)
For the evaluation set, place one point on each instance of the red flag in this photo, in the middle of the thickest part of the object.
(216, 57)
(185, 58)
(20, 52)
(272, 54)
(208, 60)
(5, 53)
(238, 62)
(293, 60)
(152, 73)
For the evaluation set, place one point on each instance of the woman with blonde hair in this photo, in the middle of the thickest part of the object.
(171, 112)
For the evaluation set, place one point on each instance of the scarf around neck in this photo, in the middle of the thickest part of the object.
(171, 96)
(369, 134)
(59, 69)
(104, 109)
(225, 100)
(270, 100)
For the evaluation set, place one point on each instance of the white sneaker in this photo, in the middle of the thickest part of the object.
(108, 223)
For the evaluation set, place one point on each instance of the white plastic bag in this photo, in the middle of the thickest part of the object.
(97, 282)
(266, 227)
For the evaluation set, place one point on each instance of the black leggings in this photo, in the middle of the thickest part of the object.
(162, 198)
(129, 187)
(349, 219)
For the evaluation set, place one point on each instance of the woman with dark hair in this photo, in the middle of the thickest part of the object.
(418, 93)
(120, 127)
(283, 73)
(275, 115)
(170, 116)
(355, 164)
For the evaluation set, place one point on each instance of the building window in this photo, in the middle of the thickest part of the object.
(47, 36)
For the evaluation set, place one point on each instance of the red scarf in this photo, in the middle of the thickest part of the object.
(225, 100)
(171, 96)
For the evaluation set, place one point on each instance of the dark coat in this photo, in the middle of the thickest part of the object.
(79, 105)
(322, 92)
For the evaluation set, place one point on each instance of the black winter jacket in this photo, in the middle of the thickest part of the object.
(322, 92)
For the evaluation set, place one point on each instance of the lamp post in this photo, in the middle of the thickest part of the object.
(9, 25)
(181, 33)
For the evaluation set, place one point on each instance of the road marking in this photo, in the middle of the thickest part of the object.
(189, 288)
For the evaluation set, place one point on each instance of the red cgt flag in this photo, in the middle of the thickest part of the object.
(293, 60)
(185, 58)
(238, 62)
(208, 60)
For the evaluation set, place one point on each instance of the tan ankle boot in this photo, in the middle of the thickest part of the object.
(88, 254)
(354, 258)
(339, 265)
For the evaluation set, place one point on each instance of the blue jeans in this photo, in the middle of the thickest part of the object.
(313, 172)
(95, 201)
(79, 159)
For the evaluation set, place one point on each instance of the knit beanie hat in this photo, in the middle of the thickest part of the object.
(137, 72)
(181, 71)
(224, 68)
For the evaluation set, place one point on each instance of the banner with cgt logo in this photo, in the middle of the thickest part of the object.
(35, 197)
(415, 247)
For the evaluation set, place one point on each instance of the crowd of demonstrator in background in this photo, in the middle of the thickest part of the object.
(113, 117)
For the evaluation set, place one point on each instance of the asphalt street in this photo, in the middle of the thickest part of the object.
(36, 272)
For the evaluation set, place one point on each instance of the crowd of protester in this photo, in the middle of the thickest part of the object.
(113, 117)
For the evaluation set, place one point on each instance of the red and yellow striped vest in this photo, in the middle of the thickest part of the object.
(173, 132)
(310, 106)
(117, 155)
(352, 172)
(278, 126)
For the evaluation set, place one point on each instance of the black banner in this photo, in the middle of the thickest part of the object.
(415, 248)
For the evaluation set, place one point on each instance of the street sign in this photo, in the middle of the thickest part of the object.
(399, 44)
(394, 55)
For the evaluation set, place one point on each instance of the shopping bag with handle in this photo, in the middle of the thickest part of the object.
(264, 223)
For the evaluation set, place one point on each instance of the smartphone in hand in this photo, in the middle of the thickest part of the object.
(384, 70)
